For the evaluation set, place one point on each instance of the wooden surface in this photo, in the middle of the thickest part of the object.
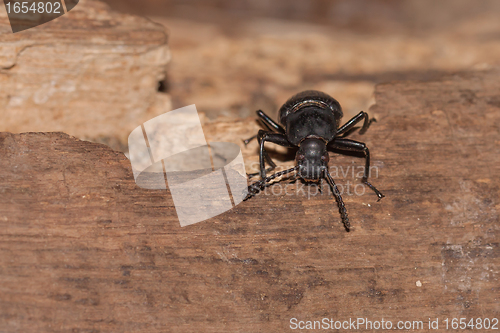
(83, 249)
(83, 73)
(232, 64)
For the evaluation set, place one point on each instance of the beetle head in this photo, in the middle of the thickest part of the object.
(312, 158)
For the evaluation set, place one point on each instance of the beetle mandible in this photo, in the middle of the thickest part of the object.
(310, 121)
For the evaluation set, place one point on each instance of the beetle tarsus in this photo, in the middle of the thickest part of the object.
(254, 189)
(247, 141)
(374, 189)
(251, 175)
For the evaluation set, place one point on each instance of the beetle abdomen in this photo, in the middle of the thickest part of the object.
(309, 98)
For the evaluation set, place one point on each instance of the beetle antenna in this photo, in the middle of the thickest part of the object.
(257, 186)
(340, 202)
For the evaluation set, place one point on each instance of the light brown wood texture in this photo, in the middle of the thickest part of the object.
(83, 249)
(92, 73)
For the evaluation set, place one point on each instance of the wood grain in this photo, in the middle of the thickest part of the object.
(83, 249)
(83, 73)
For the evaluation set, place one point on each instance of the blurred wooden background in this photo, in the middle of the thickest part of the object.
(83, 249)
(231, 57)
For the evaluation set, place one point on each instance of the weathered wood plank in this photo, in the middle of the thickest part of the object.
(83, 249)
(82, 73)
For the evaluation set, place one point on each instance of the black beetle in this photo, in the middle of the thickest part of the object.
(311, 122)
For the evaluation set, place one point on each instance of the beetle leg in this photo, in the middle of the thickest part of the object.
(247, 141)
(260, 136)
(251, 175)
(277, 138)
(266, 155)
(340, 202)
(270, 124)
(351, 145)
(347, 127)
